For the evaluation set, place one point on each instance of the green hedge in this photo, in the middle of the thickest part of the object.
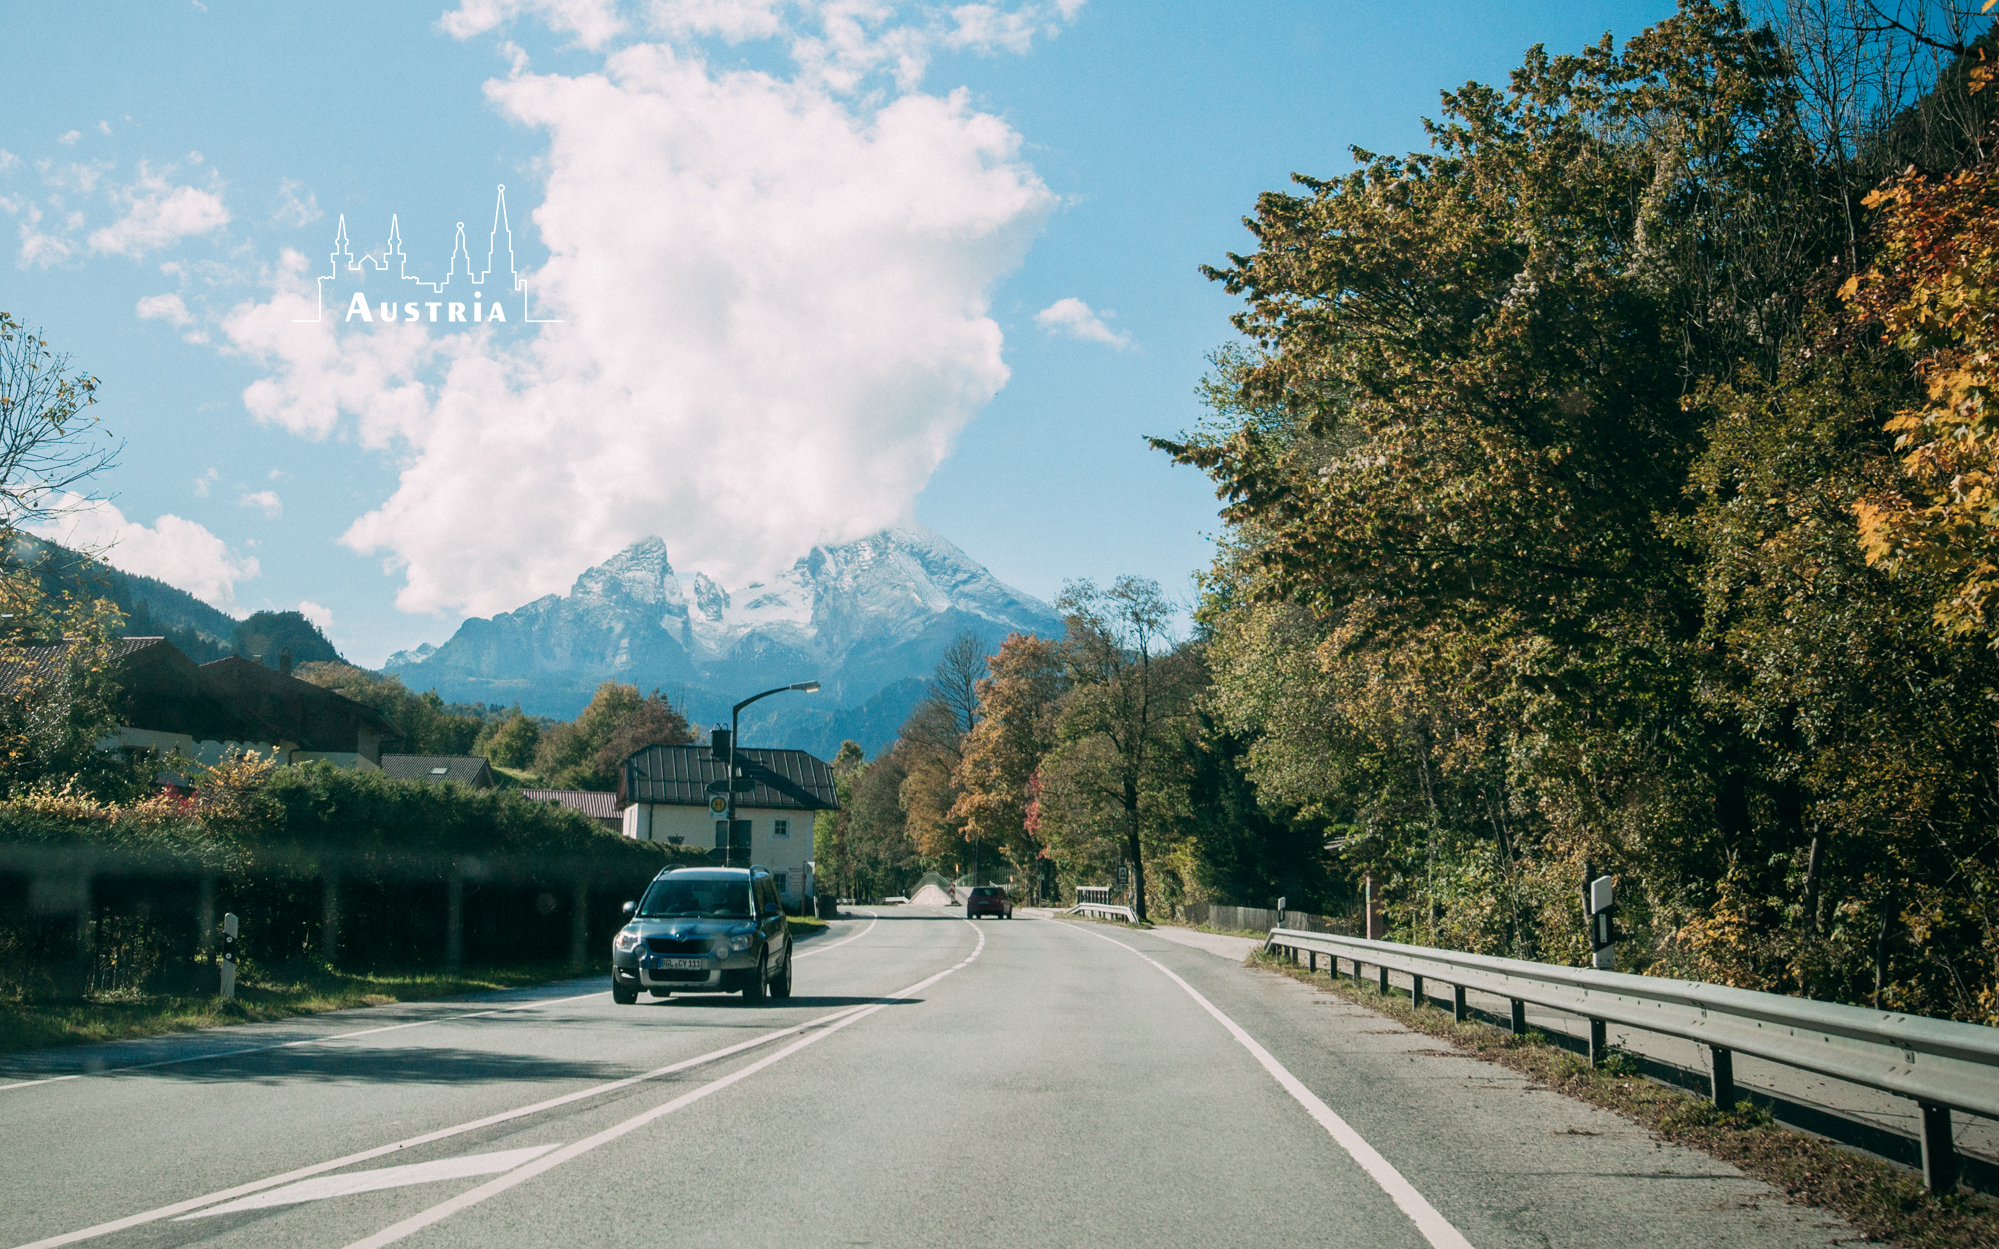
(274, 848)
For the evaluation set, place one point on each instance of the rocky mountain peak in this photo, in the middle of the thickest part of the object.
(865, 617)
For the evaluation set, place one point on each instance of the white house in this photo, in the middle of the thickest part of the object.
(663, 791)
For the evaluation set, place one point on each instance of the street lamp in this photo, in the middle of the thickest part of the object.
(735, 717)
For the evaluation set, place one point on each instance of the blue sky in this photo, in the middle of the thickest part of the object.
(820, 274)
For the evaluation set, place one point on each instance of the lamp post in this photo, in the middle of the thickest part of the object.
(735, 718)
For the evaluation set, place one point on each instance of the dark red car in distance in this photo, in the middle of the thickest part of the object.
(988, 900)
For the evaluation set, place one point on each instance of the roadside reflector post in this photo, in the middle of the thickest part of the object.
(1599, 1047)
(1416, 989)
(1458, 1008)
(229, 929)
(1939, 1154)
(1599, 911)
(1721, 1081)
(1519, 1017)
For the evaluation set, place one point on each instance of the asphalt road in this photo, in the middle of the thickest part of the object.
(1032, 1081)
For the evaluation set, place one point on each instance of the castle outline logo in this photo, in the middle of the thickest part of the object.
(487, 304)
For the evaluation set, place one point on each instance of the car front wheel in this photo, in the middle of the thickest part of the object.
(754, 991)
(781, 987)
(621, 995)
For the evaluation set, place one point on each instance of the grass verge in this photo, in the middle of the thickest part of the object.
(1884, 1201)
(32, 1026)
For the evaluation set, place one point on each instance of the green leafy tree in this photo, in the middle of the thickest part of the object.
(510, 742)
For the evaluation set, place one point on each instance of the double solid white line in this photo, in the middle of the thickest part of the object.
(548, 1162)
(826, 1023)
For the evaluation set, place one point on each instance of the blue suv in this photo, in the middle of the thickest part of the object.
(704, 930)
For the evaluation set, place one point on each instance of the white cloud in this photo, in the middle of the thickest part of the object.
(594, 22)
(1073, 318)
(321, 616)
(176, 550)
(731, 20)
(776, 324)
(203, 482)
(7, 160)
(167, 307)
(40, 247)
(158, 213)
(266, 501)
(104, 127)
(293, 210)
(68, 138)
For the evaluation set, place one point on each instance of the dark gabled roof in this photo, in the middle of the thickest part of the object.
(594, 803)
(159, 688)
(786, 780)
(465, 769)
(293, 710)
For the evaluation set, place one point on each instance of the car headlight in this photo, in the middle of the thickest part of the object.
(738, 944)
(625, 941)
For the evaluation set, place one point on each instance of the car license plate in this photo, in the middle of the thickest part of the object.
(681, 964)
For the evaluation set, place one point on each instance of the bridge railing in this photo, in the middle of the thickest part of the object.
(1939, 1064)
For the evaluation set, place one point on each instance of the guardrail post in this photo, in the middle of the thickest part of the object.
(1599, 1047)
(1416, 989)
(1722, 1080)
(1939, 1154)
(1458, 1008)
(1381, 983)
(1519, 1017)
(1356, 973)
(1312, 960)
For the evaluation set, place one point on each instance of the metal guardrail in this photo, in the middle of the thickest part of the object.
(1105, 910)
(1940, 1064)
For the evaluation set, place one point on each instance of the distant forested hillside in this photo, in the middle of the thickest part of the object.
(151, 606)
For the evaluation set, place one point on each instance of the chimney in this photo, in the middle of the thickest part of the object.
(285, 661)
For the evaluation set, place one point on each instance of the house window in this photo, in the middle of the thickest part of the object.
(780, 878)
(780, 828)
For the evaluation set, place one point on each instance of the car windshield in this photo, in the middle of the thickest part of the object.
(682, 897)
(986, 891)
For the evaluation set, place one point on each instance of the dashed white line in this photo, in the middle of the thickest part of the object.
(1435, 1227)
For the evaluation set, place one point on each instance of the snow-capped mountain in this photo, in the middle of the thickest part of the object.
(868, 619)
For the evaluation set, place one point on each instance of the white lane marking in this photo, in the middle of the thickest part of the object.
(873, 919)
(1435, 1227)
(493, 1188)
(374, 1181)
(317, 1040)
(193, 1203)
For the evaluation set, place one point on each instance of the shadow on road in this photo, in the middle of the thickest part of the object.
(693, 1000)
(438, 1065)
